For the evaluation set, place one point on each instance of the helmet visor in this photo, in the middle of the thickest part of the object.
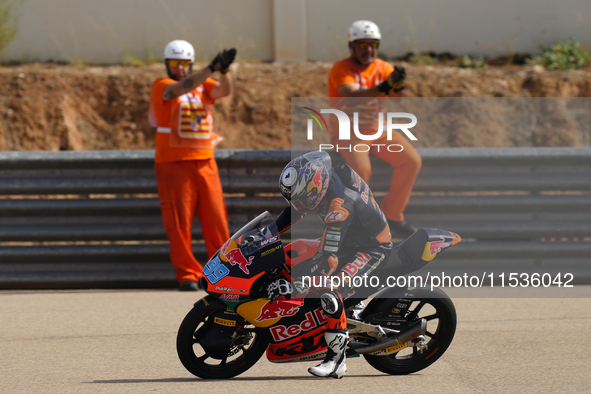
(308, 202)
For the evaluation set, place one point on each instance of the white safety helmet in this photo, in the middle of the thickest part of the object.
(179, 49)
(360, 30)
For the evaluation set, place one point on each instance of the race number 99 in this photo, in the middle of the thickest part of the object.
(214, 270)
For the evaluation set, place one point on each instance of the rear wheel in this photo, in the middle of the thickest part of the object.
(246, 348)
(440, 314)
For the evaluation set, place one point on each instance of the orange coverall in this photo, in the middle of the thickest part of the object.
(406, 164)
(188, 178)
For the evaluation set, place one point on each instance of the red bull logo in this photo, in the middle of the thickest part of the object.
(276, 310)
(357, 184)
(318, 179)
(234, 256)
(436, 246)
(316, 182)
(357, 264)
(432, 248)
(313, 319)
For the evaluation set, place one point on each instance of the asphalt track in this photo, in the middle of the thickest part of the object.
(124, 342)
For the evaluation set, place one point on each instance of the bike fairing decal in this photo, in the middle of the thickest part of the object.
(269, 240)
(214, 270)
(277, 309)
(230, 297)
(310, 346)
(305, 345)
(434, 247)
(254, 311)
(269, 251)
(313, 320)
(233, 255)
(224, 322)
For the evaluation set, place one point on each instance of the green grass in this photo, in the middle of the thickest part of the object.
(472, 62)
(569, 55)
(424, 60)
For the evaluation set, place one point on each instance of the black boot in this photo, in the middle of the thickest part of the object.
(189, 285)
(401, 229)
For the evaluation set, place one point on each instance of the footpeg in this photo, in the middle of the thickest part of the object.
(420, 344)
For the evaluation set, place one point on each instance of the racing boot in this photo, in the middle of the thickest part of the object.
(333, 365)
(401, 230)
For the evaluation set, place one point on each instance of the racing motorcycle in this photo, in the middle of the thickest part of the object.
(399, 331)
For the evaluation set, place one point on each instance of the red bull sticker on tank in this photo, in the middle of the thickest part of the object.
(277, 309)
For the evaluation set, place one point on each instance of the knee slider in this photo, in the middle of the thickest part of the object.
(330, 303)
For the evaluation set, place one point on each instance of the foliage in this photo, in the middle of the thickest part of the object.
(472, 62)
(424, 60)
(569, 55)
(131, 59)
(8, 23)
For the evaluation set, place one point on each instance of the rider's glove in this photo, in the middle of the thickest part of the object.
(300, 286)
(278, 288)
(394, 82)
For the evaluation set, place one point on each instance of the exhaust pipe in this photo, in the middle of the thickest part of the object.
(412, 332)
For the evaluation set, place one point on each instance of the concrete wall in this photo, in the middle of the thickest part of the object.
(107, 31)
(476, 27)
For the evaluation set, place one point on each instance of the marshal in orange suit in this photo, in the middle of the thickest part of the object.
(363, 75)
(186, 171)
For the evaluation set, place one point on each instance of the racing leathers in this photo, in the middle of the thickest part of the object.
(355, 241)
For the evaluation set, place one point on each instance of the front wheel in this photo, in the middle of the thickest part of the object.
(440, 314)
(246, 347)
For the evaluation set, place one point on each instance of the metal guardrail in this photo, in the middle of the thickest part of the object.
(92, 219)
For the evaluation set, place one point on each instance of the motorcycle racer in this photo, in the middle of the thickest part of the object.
(356, 239)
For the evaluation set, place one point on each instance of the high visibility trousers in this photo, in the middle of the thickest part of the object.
(406, 164)
(188, 188)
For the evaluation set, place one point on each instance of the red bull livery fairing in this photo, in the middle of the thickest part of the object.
(234, 324)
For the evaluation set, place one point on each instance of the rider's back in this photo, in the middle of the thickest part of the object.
(350, 205)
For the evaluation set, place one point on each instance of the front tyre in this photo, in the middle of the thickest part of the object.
(440, 314)
(246, 348)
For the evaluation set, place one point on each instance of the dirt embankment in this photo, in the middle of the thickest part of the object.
(51, 107)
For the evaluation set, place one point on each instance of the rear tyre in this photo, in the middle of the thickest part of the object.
(441, 317)
(244, 351)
